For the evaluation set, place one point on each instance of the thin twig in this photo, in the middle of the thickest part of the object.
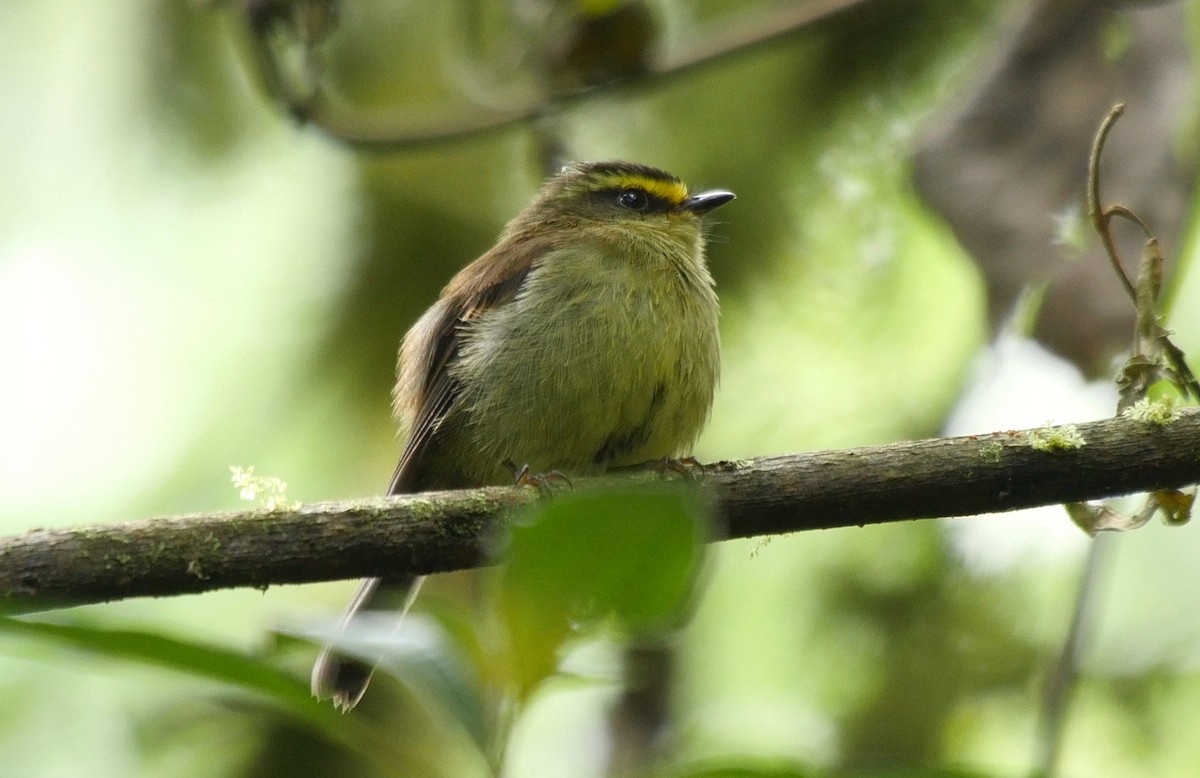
(1100, 217)
(1062, 677)
(392, 132)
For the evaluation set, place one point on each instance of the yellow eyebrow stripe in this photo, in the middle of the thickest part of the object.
(674, 192)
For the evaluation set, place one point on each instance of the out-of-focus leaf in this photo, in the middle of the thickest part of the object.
(218, 664)
(429, 659)
(441, 672)
(913, 772)
(632, 557)
(746, 767)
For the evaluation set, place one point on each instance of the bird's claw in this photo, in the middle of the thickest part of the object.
(543, 482)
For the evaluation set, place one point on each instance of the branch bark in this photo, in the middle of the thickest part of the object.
(442, 531)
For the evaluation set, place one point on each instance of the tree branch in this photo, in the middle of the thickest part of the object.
(393, 131)
(438, 532)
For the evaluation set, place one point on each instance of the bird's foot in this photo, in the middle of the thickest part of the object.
(543, 482)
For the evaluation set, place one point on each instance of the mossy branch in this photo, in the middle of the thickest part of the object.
(443, 531)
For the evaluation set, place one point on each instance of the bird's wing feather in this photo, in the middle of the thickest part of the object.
(491, 281)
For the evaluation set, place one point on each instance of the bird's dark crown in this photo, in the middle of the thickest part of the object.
(587, 178)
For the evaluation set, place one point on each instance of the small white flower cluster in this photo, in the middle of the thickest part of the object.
(268, 492)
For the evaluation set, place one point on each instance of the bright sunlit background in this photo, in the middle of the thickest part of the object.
(189, 281)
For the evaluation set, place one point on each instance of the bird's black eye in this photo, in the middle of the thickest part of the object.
(633, 199)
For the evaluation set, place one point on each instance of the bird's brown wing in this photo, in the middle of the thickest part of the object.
(469, 295)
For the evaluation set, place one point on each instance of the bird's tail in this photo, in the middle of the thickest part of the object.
(344, 678)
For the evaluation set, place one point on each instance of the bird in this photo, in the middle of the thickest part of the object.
(585, 339)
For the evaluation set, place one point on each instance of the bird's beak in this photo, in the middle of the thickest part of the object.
(706, 201)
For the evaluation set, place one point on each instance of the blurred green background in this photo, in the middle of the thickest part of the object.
(190, 280)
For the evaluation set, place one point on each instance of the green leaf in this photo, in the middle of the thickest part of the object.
(743, 771)
(913, 772)
(214, 663)
(631, 557)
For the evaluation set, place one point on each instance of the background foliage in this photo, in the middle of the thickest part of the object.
(188, 280)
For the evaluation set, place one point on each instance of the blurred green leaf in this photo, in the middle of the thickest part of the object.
(218, 664)
(743, 767)
(743, 772)
(441, 666)
(583, 557)
(913, 772)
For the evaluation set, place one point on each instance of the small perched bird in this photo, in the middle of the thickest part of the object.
(585, 339)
